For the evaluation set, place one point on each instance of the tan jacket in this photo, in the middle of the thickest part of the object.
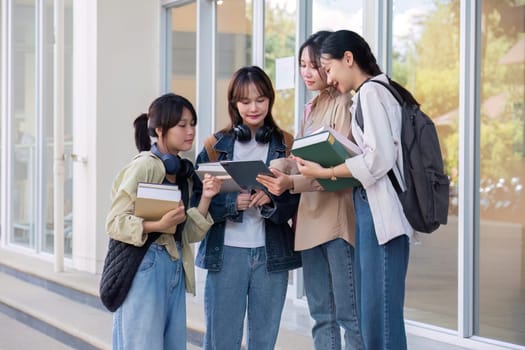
(122, 225)
(324, 216)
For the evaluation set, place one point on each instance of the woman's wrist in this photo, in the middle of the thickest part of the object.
(332, 174)
(327, 173)
(204, 205)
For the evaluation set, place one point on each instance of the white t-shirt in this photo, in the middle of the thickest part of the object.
(250, 232)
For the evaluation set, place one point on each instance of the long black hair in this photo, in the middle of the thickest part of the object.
(164, 112)
(337, 43)
(313, 45)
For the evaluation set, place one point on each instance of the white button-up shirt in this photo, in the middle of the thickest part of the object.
(381, 146)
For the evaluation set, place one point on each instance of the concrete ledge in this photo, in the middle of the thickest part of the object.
(31, 266)
(59, 288)
(77, 325)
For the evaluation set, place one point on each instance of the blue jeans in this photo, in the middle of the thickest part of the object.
(330, 290)
(380, 276)
(153, 315)
(243, 283)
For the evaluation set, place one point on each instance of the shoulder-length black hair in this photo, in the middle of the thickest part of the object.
(238, 89)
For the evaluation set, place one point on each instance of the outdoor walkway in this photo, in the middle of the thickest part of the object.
(66, 307)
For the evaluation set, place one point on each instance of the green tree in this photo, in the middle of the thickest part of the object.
(430, 69)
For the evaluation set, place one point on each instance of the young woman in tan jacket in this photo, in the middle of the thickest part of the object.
(325, 220)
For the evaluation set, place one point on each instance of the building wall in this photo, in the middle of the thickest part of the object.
(116, 60)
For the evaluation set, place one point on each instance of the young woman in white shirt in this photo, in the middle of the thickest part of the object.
(382, 230)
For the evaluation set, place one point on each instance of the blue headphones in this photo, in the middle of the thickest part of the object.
(174, 165)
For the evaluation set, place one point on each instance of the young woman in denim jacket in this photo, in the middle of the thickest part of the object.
(249, 249)
(153, 314)
(382, 230)
(325, 230)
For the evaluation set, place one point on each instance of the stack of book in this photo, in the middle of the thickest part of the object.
(328, 148)
(155, 200)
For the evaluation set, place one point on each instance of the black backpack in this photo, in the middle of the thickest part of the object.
(425, 199)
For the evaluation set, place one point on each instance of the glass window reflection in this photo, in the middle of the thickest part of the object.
(233, 50)
(502, 172)
(429, 68)
(279, 42)
(23, 124)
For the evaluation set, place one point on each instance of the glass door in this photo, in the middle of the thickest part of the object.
(31, 220)
(233, 50)
(23, 121)
(502, 173)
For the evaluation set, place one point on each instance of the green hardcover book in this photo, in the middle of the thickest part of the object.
(324, 148)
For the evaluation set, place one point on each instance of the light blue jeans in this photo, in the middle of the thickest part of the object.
(153, 315)
(380, 276)
(330, 290)
(243, 284)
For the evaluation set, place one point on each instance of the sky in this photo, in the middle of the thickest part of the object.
(348, 14)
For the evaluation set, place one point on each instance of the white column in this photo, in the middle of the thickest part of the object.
(84, 121)
(258, 33)
(206, 87)
(116, 76)
(377, 30)
(370, 27)
(303, 20)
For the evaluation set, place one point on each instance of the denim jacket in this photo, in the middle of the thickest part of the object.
(280, 254)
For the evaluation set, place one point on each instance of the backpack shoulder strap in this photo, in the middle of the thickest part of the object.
(359, 114)
(288, 141)
(213, 155)
(390, 88)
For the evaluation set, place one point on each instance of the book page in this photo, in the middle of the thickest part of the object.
(213, 168)
(314, 138)
(351, 147)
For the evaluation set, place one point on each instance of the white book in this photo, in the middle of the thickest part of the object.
(158, 191)
(155, 200)
(213, 168)
(216, 169)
